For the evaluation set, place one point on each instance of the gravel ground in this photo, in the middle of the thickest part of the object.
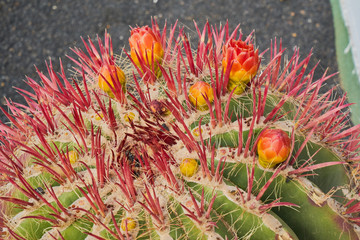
(35, 30)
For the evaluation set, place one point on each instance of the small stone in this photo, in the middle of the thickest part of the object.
(40, 190)
(130, 156)
(166, 127)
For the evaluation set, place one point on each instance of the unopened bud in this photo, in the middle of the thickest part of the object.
(197, 94)
(188, 167)
(128, 224)
(273, 147)
(111, 73)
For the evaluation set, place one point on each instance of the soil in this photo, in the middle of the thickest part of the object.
(34, 31)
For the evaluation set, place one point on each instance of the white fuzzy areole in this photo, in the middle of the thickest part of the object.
(251, 206)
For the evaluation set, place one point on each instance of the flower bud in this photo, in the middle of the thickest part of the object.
(128, 223)
(146, 44)
(73, 156)
(110, 73)
(98, 117)
(196, 131)
(273, 147)
(245, 63)
(197, 93)
(129, 116)
(188, 167)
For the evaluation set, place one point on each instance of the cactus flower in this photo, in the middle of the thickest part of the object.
(145, 44)
(245, 64)
(139, 174)
(188, 167)
(273, 147)
(110, 73)
(197, 93)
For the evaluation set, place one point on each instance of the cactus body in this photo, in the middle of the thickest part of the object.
(89, 162)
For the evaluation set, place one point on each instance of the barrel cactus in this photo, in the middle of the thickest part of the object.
(168, 141)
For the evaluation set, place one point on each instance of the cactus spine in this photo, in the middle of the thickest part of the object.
(165, 144)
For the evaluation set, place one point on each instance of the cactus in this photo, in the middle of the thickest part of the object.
(174, 142)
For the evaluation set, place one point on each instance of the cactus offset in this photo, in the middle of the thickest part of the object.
(161, 159)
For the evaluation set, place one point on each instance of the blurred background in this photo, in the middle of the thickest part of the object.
(33, 31)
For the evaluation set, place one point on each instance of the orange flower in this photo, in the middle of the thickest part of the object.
(273, 147)
(110, 73)
(143, 41)
(245, 63)
(196, 93)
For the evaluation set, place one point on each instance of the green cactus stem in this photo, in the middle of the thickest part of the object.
(146, 162)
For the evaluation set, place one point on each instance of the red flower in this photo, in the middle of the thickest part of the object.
(245, 63)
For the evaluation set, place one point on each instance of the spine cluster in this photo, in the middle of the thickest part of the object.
(167, 141)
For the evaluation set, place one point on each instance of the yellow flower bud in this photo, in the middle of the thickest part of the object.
(129, 116)
(196, 131)
(73, 156)
(188, 167)
(99, 116)
(128, 223)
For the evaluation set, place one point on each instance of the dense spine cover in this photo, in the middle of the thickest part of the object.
(162, 142)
